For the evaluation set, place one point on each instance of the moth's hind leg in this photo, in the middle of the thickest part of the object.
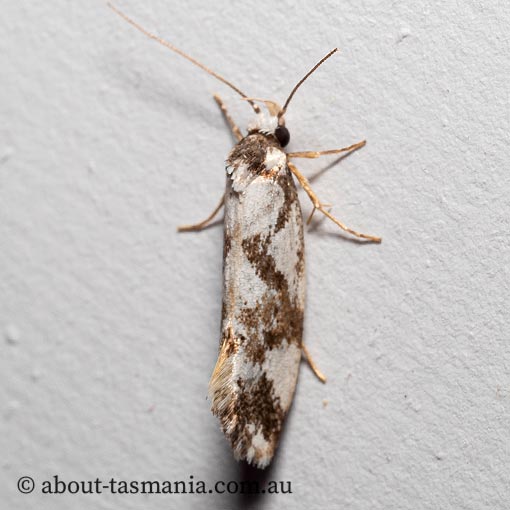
(313, 366)
(230, 121)
(320, 207)
(207, 221)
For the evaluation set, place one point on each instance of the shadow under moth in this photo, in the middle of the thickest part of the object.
(261, 344)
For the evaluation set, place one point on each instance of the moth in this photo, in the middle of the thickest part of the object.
(253, 382)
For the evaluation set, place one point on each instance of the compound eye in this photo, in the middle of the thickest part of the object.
(282, 135)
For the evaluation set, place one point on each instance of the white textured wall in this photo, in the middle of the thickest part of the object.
(110, 319)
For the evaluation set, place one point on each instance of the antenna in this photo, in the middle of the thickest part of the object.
(180, 52)
(302, 80)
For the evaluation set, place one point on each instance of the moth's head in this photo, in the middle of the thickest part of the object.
(270, 121)
(273, 121)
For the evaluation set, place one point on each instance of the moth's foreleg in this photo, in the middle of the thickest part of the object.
(203, 224)
(318, 154)
(320, 207)
(313, 366)
(233, 126)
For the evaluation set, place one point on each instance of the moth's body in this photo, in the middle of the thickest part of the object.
(253, 383)
(263, 299)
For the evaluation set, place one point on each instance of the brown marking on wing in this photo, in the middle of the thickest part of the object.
(256, 404)
(256, 249)
(289, 196)
(252, 151)
(227, 244)
(300, 263)
(279, 316)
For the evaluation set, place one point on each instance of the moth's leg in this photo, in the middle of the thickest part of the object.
(233, 126)
(309, 220)
(318, 154)
(319, 206)
(313, 366)
(203, 224)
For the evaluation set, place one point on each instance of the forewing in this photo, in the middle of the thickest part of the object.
(263, 300)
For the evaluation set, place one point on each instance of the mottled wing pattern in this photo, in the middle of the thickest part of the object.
(253, 383)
